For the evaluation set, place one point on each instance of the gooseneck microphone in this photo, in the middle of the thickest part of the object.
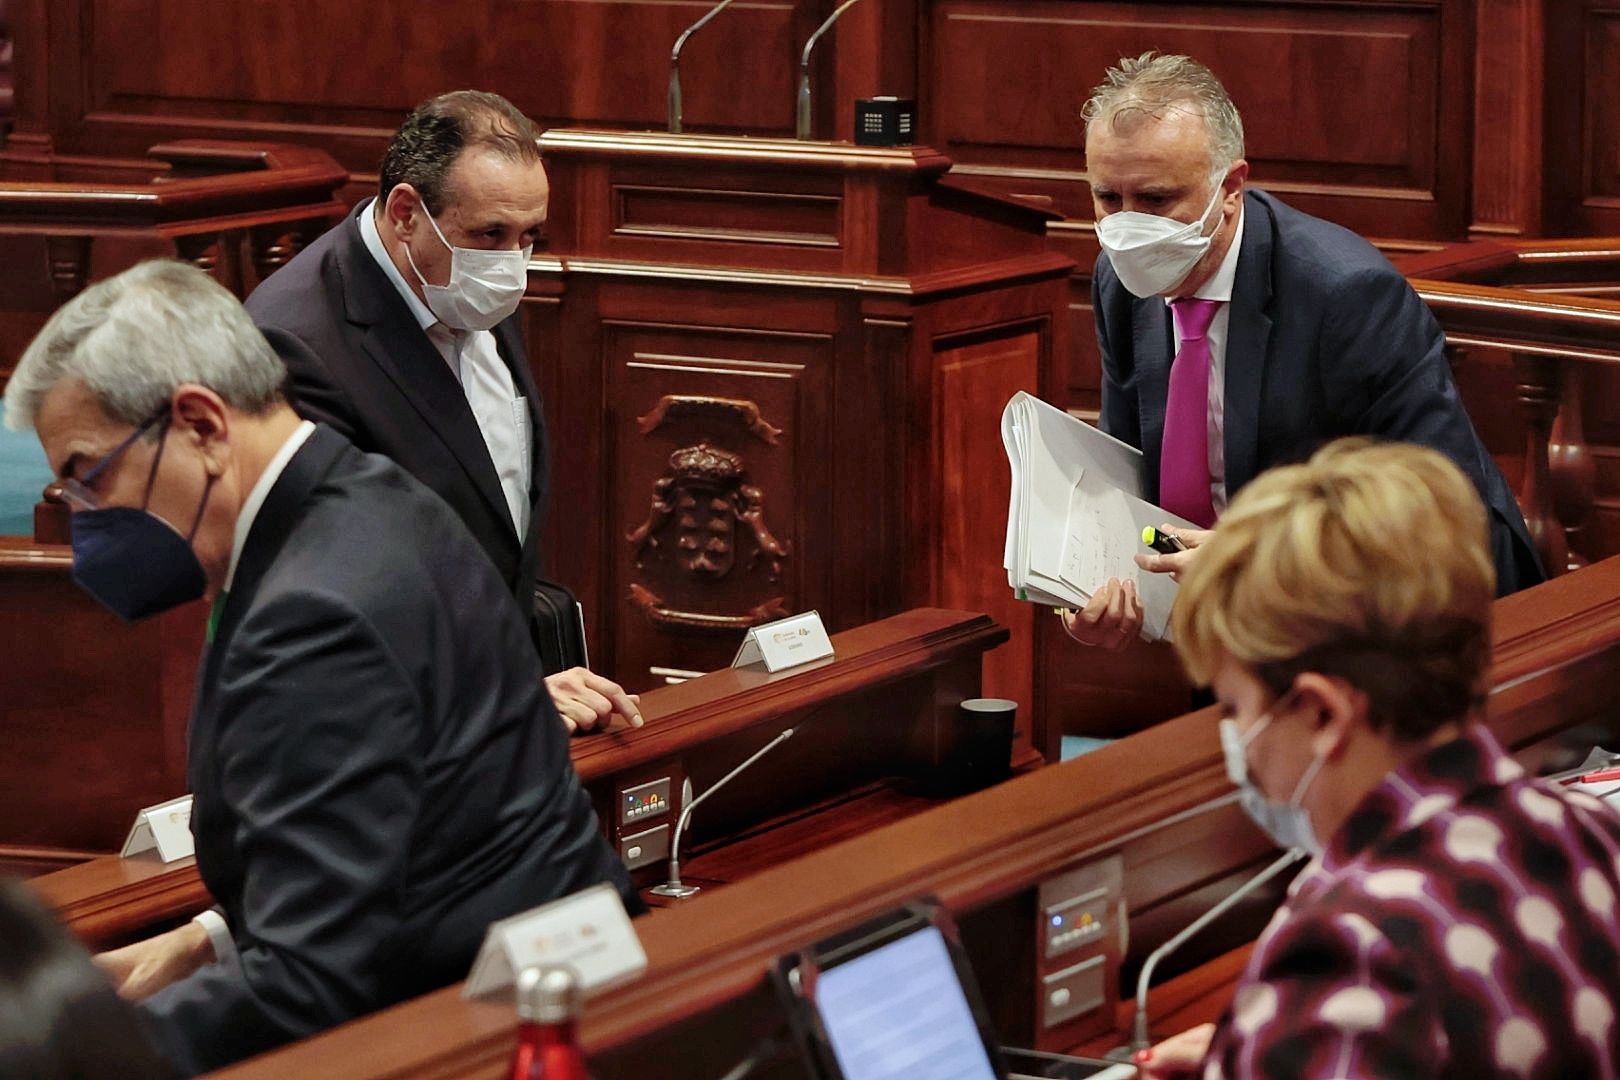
(675, 64)
(674, 886)
(1140, 1040)
(802, 129)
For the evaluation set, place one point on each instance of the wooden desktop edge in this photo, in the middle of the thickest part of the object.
(111, 896)
(966, 853)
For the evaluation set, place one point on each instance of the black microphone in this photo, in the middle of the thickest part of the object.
(675, 65)
(802, 130)
(674, 886)
(1140, 1040)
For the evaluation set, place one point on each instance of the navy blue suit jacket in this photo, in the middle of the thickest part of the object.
(1325, 339)
(377, 772)
(358, 361)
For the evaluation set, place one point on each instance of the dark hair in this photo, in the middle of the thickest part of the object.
(60, 1018)
(1416, 680)
(426, 146)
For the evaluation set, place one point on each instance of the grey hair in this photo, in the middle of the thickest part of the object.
(1152, 85)
(134, 338)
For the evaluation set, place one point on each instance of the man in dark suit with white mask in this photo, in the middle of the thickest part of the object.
(399, 329)
(1238, 333)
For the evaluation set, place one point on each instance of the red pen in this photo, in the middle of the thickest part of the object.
(1601, 775)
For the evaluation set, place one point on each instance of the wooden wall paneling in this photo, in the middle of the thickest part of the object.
(1600, 114)
(1352, 111)
(874, 50)
(95, 710)
(879, 563)
(973, 377)
(1510, 101)
(1082, 380)
(343, 83)
(720, 447)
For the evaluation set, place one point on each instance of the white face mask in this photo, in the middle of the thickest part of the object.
(1153, 254)
(1286, 823)
(484, 288)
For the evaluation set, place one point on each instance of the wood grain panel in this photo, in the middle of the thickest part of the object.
(688, 405)
(1602, 187)
(1349, 105)
(94, 714)
(764, 217)
(1063, 48)
(973, 382)
(345, 76)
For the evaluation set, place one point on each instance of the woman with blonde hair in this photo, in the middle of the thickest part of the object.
(1459, 918)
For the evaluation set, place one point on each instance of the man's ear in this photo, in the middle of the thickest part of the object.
(1236, 177)
(400, 208)
(1336, 710)
(201, 418)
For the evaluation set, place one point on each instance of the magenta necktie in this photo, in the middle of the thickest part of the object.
(1184, 463)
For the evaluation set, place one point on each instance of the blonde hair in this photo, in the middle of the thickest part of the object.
(1369, 562)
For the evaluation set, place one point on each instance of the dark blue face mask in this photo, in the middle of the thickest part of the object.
(131, 560)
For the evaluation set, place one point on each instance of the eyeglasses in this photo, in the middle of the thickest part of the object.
(76, 492)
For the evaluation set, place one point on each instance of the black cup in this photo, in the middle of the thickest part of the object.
(981, 752)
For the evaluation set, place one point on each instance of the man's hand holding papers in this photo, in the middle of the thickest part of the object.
(1074, 527)
(1111, 619)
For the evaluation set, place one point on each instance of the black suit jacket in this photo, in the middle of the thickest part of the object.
(1324, 339)
(377, 772)
(359, 362)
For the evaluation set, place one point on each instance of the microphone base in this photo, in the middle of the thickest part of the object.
(674, 889)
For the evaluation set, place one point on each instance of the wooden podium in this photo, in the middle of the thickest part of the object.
(774, 374)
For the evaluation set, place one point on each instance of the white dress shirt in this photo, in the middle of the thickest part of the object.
(1219, 287)
(475, 360)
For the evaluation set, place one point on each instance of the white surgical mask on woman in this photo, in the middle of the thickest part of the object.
(484, 287)
(1286, 823)
(1153, 254)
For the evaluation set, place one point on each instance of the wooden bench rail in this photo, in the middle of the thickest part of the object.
(707, 960)
(1553, 307)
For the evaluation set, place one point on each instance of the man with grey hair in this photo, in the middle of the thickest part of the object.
(400, 329)
(1238, 333)
(376, 771)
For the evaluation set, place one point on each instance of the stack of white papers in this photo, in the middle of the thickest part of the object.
(1076, 515)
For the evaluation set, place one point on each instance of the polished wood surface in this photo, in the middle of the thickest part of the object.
(784, 365)
(94, 721)
(1415, 120)
(883, 709)
(1534, 323)
(704, 998)
(237, 209)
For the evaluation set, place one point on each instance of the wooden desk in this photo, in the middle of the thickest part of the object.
(884, 708)
(94, 711)
(704, 998)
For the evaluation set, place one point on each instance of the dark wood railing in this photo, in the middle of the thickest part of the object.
(1553, 308)
(239, 210)
(204, 198)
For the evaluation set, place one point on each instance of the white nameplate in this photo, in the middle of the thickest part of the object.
(785, 643)
(589, 931)
(167, 827)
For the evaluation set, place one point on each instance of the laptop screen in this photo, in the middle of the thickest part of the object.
(898, 1013)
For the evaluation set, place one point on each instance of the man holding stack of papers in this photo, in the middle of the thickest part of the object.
(1237, 334)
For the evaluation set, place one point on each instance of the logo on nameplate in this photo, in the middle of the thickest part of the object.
(786, 643)
(589, 931)
(166, 827)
